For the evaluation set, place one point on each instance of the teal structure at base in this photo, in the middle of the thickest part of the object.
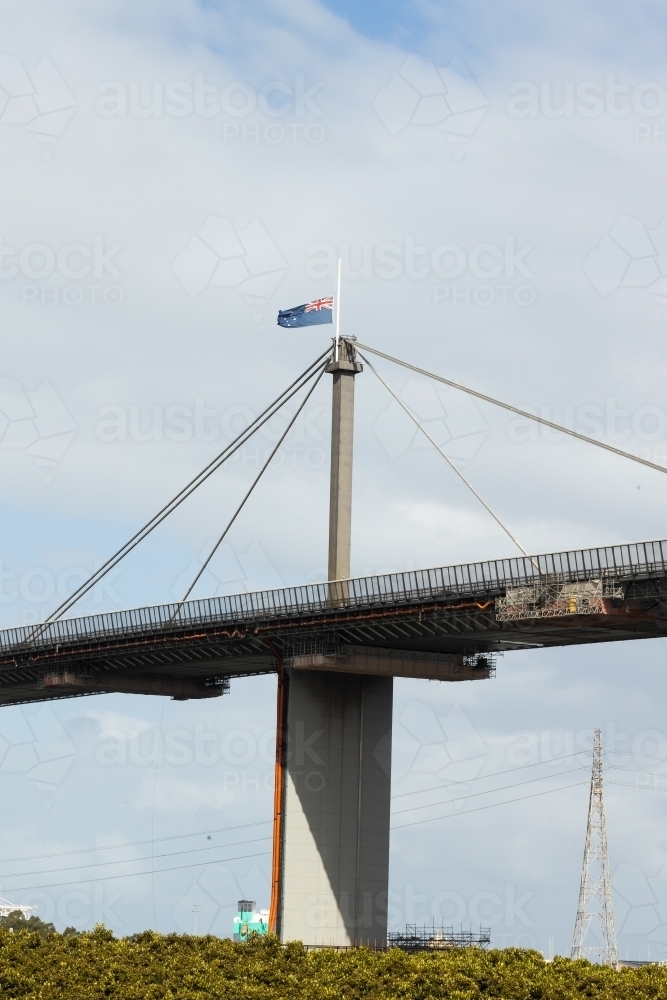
(249, 921)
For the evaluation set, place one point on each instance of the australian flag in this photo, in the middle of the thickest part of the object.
(309, 314)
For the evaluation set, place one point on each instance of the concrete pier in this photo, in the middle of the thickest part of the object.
(336, 809)
(342, 439)
(337, 772)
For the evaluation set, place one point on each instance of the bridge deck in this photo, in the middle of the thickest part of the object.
(589, 595)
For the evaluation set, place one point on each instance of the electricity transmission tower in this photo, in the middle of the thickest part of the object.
(595, 903)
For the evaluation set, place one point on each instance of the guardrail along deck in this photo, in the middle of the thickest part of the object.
(447, 609)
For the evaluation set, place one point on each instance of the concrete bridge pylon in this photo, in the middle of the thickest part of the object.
(331, 848)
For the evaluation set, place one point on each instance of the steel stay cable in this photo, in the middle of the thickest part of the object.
(490, 791)
(94, 578)
(492, 805)
(136, 539)
(252, 487)
(493, 774)
(131, 861)
(515, 409)
(446, 458)
(176, 502)
(104, 878)
(186, 491)
(190, 487)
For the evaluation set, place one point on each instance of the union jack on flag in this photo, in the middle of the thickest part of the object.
(320, 304)
(309, 314)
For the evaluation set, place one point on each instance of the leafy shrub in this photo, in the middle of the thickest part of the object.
(97, 966)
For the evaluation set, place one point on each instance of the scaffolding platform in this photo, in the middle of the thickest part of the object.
(415, 938)
(554, 597)
(441, 623)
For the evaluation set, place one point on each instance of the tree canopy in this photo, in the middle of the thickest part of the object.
(40, 964)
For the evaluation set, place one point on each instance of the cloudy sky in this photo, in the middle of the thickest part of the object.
(492, 176)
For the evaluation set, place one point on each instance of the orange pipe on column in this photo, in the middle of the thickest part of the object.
(278, 793)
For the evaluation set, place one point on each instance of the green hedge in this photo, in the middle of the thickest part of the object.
(148, 966)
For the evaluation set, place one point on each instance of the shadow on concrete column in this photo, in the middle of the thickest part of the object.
(337, 804)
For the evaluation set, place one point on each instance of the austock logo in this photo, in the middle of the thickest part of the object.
(446, 746)
(37, 585)
(446, 98)
(213, 893)
(640, 904)
(81, 273)
(630, 256)
(36, 98)
(33, 743)
(591, 99)
(35, 421)
(230, 572)
(221, 256)
(451, 418)
(492, 273)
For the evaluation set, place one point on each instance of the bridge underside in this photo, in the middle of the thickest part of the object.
(429, 628)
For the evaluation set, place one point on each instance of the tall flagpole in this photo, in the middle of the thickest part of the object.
(337, 311)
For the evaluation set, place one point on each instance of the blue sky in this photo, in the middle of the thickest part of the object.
(482, 30)
(391, 22)
(159, 130)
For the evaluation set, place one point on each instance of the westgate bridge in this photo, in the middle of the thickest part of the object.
(442, 624)
(335, 648)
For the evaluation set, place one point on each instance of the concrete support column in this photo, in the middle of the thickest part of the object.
(340, 503)
(334, 871)
(336, 809)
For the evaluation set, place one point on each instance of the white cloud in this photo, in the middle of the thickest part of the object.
(419, 94)
(152, 184)
(220, 256)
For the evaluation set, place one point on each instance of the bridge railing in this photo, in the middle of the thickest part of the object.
(639, 560)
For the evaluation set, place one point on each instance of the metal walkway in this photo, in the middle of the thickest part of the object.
(190, 650)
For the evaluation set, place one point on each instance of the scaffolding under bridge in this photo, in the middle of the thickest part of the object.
(425, 938)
